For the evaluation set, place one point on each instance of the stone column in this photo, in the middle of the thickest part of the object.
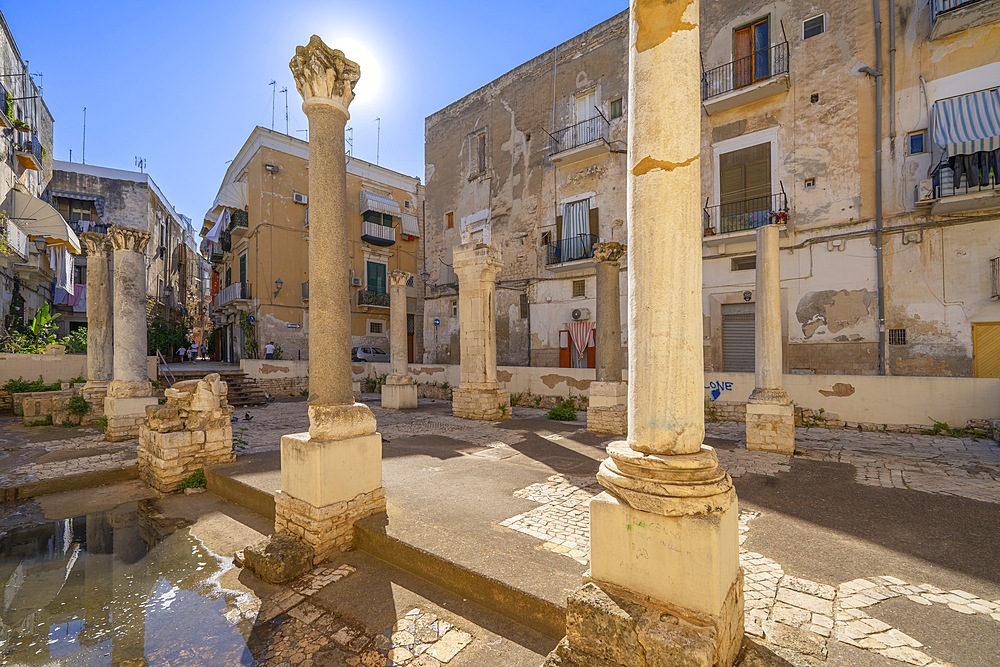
(665, 570)
(606, 411)
(332, 475)
(100, 296)
(770, 421)
(130, 390)
(478, 395)
(399, 390)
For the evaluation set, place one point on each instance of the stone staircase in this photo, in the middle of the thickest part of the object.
(243, 389)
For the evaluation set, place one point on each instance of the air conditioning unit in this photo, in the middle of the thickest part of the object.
(580, 314)
(925, 190)
(355, 281)
(300, 198)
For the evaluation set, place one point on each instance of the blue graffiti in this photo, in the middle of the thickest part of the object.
(716, 387)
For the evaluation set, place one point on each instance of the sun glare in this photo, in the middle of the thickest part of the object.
(370, 86)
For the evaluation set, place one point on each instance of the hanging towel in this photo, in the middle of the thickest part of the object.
(80, 303)
(579, 333)
(63, 269)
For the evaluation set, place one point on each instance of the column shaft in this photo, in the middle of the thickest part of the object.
(767, 323)
(609, 325)
(100, 295)
(397, 324)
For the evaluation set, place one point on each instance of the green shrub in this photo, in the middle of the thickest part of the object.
(76, 342)
(78, 406)
(195, 480)
(564, 412)
(373, 383)
(67, 424)
(22, 386)
(102, 423)
(77, 380)
(44, 421)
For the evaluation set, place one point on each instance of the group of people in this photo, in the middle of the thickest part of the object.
(192, 352)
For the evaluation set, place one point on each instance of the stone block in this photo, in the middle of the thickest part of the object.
(399, 396)
(770, 428)
(279, 558)
(323, 472)
(326, 529)
(608, 420)
(483, 404)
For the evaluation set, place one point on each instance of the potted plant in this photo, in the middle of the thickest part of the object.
(779, 217)
(21, 125)
(9, 109)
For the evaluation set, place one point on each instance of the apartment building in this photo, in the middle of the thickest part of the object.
(257, 237)
(36, 245)
(94, 198)
(867, 131)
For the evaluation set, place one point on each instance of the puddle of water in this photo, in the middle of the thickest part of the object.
(127, 587)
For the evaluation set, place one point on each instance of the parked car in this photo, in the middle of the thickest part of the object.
(372, 354)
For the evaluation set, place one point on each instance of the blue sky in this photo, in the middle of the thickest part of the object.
(181, 84)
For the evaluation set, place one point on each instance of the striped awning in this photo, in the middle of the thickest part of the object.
(410, 225)
(97, 200)
(968, 124)
(371, 201)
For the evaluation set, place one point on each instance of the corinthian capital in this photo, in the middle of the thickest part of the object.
(98, 245)
(323, 74)
(126, 238)
(398, 278)
(610, 251)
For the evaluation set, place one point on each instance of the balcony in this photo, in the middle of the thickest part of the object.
(226, 241)
(746, 80)
(575, 252)
(5, 120)
(377, 234)
(239, 223)
(13, 240)
(232, 296)
(84, 226)
(738, 221)
(580, 141)
(952, 16)
(376, 299)
(949, 197)
(30, 153)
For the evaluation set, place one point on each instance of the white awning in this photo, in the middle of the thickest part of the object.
(371, 201)
(231, 196)
(410, 225)
(38, 219)
(968, 124)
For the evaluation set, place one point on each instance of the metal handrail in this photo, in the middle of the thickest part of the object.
(945, 185)
(571, 249)
(742, 72)
(161, 363)
(580, 134)
(369, 298)
(746, 214)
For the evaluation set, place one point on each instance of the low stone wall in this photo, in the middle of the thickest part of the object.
(53, 407)
(277, 376)
(51, 367)
(191, 431)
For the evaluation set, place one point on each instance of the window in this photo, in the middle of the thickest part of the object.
(243, 273)
(229, 276)
(814, 26)
(616, 109)
(574, 240)
(376, 277)
(80, 274)
(586, 103)
(916, 142)
(477, 153)
(406, 203)
(751, 46)
(454, 308)
(745, 187)
(579, 288)
(897, 336)
(546, 238)
(449, 219)
(744, 263)
(378, 218)
(79, 213)
(375, 327)
(524, 306)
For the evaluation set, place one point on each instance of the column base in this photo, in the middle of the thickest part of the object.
(607, 408)
(607, 626)
(125, 416)
(328, 529)
(165, 459)
(770, 424)
(399, 393)
(484, 404)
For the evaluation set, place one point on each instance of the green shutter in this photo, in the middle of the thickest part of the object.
(376, 278)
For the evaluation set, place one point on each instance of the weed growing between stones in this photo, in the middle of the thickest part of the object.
(44, 421)
(564, 412)
(78, 406)
(195, 480)
(102, 423)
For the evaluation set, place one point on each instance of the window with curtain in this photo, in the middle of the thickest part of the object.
(751, 45)
(376, 277)
(576, 230)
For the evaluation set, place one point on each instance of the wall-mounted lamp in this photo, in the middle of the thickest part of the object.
(40, 244)
(277, 287)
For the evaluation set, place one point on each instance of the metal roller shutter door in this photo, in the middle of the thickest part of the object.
(738, 353)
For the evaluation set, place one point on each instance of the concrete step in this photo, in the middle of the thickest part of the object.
(249, 482)
(517, 604)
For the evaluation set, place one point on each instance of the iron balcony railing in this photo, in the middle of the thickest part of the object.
(369, 298)
(743, 72)
(746, 214)
(229, 294)
(983, 180)
(571, 249)
(239, 218)
(995, 273)
(377, 234)
(580, 134)
(83, 226)
(226, 241)
(32, 146)
(943, 6)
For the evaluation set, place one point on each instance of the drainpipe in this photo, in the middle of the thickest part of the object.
(878, 188)
(892, 75)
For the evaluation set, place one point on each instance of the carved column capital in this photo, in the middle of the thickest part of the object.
(324, 76)
(126, 238)
(398, 278)
(98, 245)
(610, 251)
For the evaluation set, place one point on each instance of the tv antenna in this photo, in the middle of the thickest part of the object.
(350, 141)
(306, 133)
(272, 84)
(285, 91)
(84, 135)
(378, 138)
(141, 163)
(41, 78)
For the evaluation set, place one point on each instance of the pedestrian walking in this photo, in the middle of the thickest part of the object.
(181, 351)
(269, 350)
(193, 353)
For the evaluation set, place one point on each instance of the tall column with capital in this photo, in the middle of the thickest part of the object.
(770, 421)
(100, 295)
(478, 395)
(665, 569)
(399, 391)
(332, 475)
(606, 411)
(130, 390)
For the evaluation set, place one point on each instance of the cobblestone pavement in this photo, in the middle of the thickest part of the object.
(62, 457)
(305, 635)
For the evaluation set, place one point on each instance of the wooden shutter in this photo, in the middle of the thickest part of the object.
(743, 57)
(745, 173)
(595, 226)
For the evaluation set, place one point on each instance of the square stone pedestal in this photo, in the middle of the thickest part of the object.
(771, 428)
(607, 408)
(399, 393)
(687, 566)
(485, 404)
(125, 416)
(327, 485)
